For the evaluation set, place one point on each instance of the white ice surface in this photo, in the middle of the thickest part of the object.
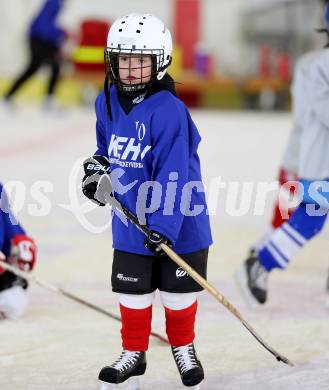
(59, 344)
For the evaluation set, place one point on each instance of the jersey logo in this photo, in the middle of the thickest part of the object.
(139, 98)
(125, 148)
(180, 273)
(141, 130)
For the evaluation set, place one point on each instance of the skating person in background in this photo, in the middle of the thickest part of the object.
(20, 251)
(45, 40)
(288, 172)
(282, 209)
(310, 139)
(147, 132)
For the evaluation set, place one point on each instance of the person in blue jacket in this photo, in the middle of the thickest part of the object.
(45, 40)
(148, 142)
(19, 250)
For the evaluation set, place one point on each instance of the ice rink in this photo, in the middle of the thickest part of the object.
(61, 345)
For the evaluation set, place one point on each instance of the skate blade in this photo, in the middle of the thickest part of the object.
(108, 386)
(130, 384)
(241, 280)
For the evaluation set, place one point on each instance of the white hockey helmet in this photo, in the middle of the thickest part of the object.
(138, 34)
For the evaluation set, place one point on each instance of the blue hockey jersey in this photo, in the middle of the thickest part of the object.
(9, 227)
(44, 25)
(155, 147)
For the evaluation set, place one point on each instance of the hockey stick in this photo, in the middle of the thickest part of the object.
(105, 195)
(48, 286)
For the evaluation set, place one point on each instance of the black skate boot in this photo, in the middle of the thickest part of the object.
(252, 279)
(188, 365)
(130, 363)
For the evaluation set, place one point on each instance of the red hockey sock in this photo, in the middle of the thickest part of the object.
(180, 325)
(136, 328)
(277, 219)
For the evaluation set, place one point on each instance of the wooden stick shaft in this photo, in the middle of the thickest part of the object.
(202, 282)
(220, 298)
(105, 190)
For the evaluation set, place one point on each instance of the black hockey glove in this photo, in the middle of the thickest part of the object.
(9, 280)
(94, 168)
(153, 240)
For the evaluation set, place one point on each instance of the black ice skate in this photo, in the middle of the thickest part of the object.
(188, 365)
(252, 279)
(130, 363)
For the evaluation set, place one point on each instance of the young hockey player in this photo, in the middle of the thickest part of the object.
(146, 133)
(18, 250)
(310, 92)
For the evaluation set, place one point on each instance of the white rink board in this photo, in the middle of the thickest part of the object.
(59, 344)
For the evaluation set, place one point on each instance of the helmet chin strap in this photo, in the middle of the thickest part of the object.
(134, 89)
(107, 97)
